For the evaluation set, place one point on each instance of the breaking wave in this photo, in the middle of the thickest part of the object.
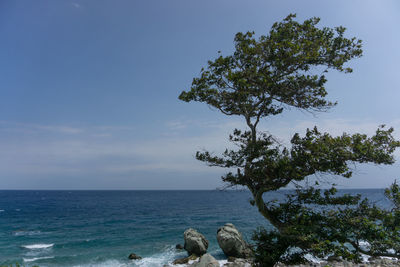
(38, 246)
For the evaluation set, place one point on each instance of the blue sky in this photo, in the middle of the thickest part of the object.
(88, 96)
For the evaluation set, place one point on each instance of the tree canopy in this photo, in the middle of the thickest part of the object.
(263, 77)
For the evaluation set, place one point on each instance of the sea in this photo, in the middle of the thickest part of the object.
(101, 228)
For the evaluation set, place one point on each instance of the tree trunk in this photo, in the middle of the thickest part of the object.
(263, 209)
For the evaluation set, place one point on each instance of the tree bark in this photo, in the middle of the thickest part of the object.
(263, 209)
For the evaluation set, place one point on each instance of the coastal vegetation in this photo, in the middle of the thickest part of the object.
(264, 77)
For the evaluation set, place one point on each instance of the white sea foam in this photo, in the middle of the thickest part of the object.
(146, 262)
(36, 259)
(366, 246)
(108, 263)
(312, 258)
(166, 258)
(1, 210)
(38, 246)
(159, 259)
(24, 233)
(222, 262)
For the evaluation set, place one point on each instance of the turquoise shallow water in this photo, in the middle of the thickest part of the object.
(101, 228)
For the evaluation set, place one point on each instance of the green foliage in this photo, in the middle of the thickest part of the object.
(263, 77)
(272, 247)
(324, 224)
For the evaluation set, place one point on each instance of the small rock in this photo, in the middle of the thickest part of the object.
(133, 256)
(179, 246)
(373, 259)
(237, 262)
(334, 258)
(185, 260)
(180, 261)
(231, 259)
(206, 261)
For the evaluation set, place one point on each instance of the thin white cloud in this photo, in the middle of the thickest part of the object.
(176, 125)
(41, 148)
(76, 5)
(61, 129)
(64, 150)
(31, 128)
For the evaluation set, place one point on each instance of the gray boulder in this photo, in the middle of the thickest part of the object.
(195, 243)
(232, 243)
(206, 261)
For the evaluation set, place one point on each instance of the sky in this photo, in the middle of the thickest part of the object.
(89, 88)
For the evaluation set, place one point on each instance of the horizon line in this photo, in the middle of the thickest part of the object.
(216, 189)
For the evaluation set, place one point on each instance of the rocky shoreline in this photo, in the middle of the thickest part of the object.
(230, 240)
(240, 254)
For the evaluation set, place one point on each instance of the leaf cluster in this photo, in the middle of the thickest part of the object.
(282, 69)
(266, 165)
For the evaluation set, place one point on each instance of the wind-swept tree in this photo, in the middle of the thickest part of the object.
(264, 77)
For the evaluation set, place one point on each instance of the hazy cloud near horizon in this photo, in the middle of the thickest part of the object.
(35, 152)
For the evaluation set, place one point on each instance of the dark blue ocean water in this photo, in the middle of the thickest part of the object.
(101, 228)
